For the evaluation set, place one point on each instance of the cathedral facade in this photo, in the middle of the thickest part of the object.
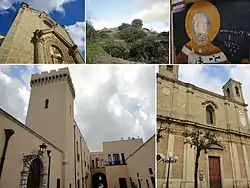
(182, 106)
(34, 37)
(49, 150)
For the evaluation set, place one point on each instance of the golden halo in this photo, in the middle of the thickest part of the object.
(213, 16)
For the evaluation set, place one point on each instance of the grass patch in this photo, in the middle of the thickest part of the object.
(94, 50)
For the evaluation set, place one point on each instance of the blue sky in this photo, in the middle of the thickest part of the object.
(70, 13)
(112, 13)
(122, 97)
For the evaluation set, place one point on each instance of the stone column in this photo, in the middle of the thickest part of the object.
(38, 48)
(76, 56)
(246, 163)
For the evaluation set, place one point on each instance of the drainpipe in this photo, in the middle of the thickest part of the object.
(75, 152)
(8, 134)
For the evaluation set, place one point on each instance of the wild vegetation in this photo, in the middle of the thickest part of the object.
(129, 42)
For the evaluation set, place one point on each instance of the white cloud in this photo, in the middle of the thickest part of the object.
(154, 13)
(44, 5)
(158, 11)
(101, 24)
(77, 32)
(194, 75)
(108, 104)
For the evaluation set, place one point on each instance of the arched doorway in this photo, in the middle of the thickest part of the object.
(99, 180)
(34, 177)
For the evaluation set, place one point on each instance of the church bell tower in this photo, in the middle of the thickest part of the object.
(170, 71)
(233, 90)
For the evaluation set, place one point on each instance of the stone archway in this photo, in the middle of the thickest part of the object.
(30, 177)
(99, 180)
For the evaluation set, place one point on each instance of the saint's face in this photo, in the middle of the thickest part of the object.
(200, 25)
(200, 29)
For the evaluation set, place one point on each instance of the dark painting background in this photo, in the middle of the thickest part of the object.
(234, 35)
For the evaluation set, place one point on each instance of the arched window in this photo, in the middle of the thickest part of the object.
(237, 91)
(56, 55)
(209, 115)
(35, 171)
(228, 92)
(46, 103)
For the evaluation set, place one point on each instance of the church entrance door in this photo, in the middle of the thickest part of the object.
(34, 177)
(214, 172)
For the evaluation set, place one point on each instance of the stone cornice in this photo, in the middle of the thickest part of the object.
(54, 76)
(199, 125)
(195, 88)
(20, 124)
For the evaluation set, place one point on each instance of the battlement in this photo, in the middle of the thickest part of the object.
(53, 76)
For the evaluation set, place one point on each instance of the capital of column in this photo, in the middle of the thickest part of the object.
(37, 37)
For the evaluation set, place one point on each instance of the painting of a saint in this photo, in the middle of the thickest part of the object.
(202, 24)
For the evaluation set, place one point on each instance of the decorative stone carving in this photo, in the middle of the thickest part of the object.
(27, 160)
(74, 53)
(52, 40)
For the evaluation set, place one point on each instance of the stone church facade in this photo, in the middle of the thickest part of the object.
(182, 106)
(34, 37)
(49, 150)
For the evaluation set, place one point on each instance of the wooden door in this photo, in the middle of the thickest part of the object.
(214, 172)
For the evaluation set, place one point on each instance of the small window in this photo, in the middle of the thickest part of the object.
(116, 158)
(150, 171)
(97, 163)
(123, 158)
(77, 151)
(147, 183)
(139, 182)
(102, 163)
(93, 164)
(58, 183)
(153, 181)
(47, 23)
(237, 91)
(46, 104)
(209, 115)
(228, 92)
(170, 67)
(110, 159)
(78, 183)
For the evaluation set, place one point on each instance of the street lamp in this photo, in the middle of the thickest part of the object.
(8, 134)
(43, 147)
(48, 153)
(169, 159)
